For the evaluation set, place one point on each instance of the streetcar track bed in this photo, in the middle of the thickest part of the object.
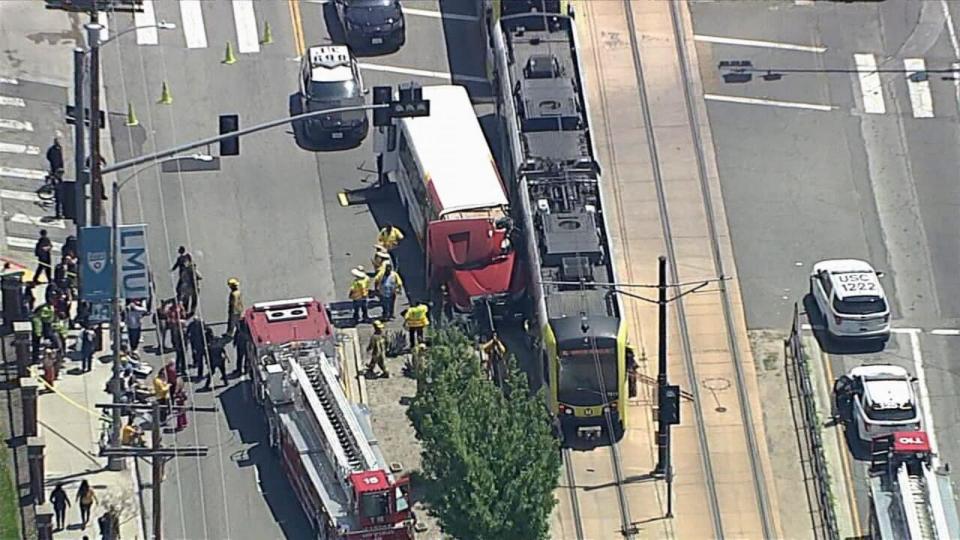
(707, 343)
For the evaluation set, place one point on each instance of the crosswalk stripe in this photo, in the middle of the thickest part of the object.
(103, 19)
(16, 125)
(18, 242)
(870, 86)
(420, 72)
(920, 98)
(17, 148)
(17, 172)
(146, 23)
(17, 195)
(8, 101)
(39, 221)
(9, 80)
(248, 38)
(193, 30)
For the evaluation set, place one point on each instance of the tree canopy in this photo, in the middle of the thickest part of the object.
(490, 461)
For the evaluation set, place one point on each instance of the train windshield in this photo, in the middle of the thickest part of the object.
(582, 382)
(375, 504)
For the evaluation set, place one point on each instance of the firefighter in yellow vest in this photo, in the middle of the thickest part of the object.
(389, 237)
(359, 290)
(380, 256)
(377, 347)
(494, 354)
(234, 305)
(415, 319)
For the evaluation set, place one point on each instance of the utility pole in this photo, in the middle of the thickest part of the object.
(79, 138)
(96, 178)
(157, 454)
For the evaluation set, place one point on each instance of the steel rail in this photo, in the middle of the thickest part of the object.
(574, 500)
(758, 477)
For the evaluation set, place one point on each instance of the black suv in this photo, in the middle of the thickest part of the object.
(330, 78)
(374, 25)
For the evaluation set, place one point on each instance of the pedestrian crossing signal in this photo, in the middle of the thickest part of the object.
(409, 110)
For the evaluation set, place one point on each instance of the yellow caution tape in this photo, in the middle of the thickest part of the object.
(84, 408)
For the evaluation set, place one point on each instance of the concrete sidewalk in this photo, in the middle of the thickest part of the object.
(71, 427)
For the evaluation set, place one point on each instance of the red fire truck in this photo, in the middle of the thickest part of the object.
(456, 201)
(325, 442)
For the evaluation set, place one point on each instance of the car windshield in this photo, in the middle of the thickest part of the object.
(893, 414)
(860, 305)
(374, 504)
(390, 8)
(332, 91)
(579, 382)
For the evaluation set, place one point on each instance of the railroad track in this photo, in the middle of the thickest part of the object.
(653, 134)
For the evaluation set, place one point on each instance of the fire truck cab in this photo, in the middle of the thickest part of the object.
(326, 445)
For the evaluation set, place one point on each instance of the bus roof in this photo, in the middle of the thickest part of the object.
(453, 153)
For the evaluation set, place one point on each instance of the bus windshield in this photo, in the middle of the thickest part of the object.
(580, 380)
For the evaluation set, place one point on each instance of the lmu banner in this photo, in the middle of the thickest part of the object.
(96, 270)
(134, 264)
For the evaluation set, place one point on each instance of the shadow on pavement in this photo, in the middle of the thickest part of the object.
(243, 415)
(463, 39)
(831, 345)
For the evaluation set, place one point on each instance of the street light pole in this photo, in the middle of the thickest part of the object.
(79, 138)
(96, 179)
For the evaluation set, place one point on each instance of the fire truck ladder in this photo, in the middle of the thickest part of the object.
(915, 497)
(347, 445)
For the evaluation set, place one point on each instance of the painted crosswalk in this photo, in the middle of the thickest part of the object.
(871, 89)
(921, 101)
(18, 148)
(146, 24)
(192, 22)
(880, 82)
(191, 15)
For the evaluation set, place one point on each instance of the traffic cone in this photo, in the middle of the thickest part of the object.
(131, 116)
(267, 34)
(230, 58)
(165, 97)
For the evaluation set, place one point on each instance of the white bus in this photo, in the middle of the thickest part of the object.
(457, 204)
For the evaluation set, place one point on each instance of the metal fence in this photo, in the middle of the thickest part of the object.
(808, 432)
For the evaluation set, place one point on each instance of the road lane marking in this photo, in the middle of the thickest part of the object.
(955, 43)
(295, 20)
(193, 30)
(920, 98)
(15, 125)
(248, 37)
(440, 15)
(871, 88)
(758, 43)
(7, 101)
(421, 72)
(146, 24)
(9, 80)
(102, 19)
(17, 242)
(945, 332)
(925, 407)
(769, 102)
(18, 172)
(39, 221)
(17, 148)
(16, 195)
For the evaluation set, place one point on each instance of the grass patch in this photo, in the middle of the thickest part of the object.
(9, 498)
(771, 361)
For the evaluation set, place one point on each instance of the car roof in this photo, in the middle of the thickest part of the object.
(837, 268)
(879, 371)
(330, 63)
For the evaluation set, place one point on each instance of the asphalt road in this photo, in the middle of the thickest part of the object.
(270, 217)
(818, 168)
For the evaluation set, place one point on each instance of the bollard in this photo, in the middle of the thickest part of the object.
(45, 522)
(29, 390)
(35, 447)
(23, 334)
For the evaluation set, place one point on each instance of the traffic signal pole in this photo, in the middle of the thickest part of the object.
(79, 137)
(96, 176)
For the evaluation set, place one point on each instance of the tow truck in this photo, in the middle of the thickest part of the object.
(325, 443)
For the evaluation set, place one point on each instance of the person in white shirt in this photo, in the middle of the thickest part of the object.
(135, 312)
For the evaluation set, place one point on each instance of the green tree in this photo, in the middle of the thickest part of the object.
(490, 461)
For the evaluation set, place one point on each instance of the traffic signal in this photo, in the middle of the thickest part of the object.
(228, 124)
(72, 116)
(382, 95)
(411, 102)
(118, 6)
(670, 404)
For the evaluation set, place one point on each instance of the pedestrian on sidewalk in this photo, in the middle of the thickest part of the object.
(240, 341)
(415, 319)
(109, 524)
(198, 346)
(377, 347)
(178, 336)
(55, 156)
(42, 250)
(388, 284)
(181, 402)
(173, 377)
(133, 318)
(234, 305)
(161, 392)
(60, 502)
(86, 497)
(88, 338)
(359, 291)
